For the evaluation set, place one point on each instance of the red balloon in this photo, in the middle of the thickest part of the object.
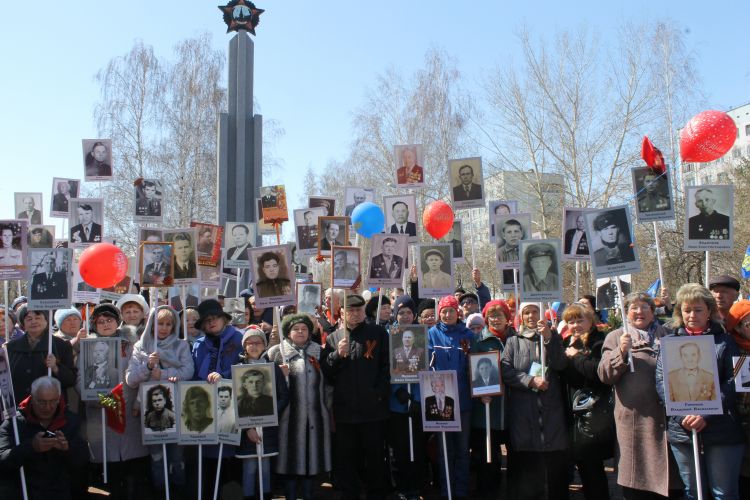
(707, 136)
(102, 265)
(437, 219)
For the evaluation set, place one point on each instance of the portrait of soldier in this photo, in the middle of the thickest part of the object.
(614, 237)
(434, 277)
(509, 240)
(467, 189)
(159, 415)
(387, 264)
(690, 382)
(654, 194)
(439, 406)
(307, 233)
(185, 266)
(30, 212)
(48, 282)
(148, 199)
(401, 223)
(540, 268)
(196, 406)
(408, 358)
(575, 238)
(409, 171)
(252, 402)
(708, 224)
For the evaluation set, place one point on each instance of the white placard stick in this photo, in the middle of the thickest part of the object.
(239, 280)
(658, 254)
(515, 291)
(218, 471)
(49, 338)
(411, 433)
(7, 309)
(471, 232)
(380, 303)
(153, 318)
(447, 469)
(708, 268)
(259, 452)
(542, 356)
(166, 469)
(18, 288)
(104, 444)
(346, 328)
(200, 471)
(487, 425)
(697, 463)
(15, 430)
(183, 300)
(625, 326)
(578, 279)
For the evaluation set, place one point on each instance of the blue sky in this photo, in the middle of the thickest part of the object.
(314, 62)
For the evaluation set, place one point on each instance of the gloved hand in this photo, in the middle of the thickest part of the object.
(402, 395)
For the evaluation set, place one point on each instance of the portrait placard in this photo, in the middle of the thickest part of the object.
(210, 277)
(607, 295)
(300, 264)
(50, 274)
(484, 371)
(184, 247)
(210, 237)
(41, 236)
(345, 267)
(192, 296)
(99, 365)
(86, 222)
(575, 240)
(388, 257)
(540, 271)
(97, 159)
(691, 377)
(239, 240)
(613, 250)
(14, 263)
(273, 276)
(741, 373)
(62, 191)
(709, 218)
(197, 411)
(455, 238)
(441, 410)
(309, 297)
(408, 161)
(353, 196)
(509, 285)
(401, 215)
(158, 416)
(332, 231)
(467, 186)
(653, 195)
(499, 207)
(255, 395)
(226, 416)
(273, 202)
(7, 399)
(147, 200)
(408, 348)
(263, 227)
(328, 203)
(511, 230)
(306, 229)
(157, 264)
(434, 270)
(28, 207)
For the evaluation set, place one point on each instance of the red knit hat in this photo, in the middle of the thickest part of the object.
(736, 313)
(497, 303)
(447, 301)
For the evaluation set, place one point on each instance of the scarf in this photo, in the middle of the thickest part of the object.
(58, 419)
(167, 348)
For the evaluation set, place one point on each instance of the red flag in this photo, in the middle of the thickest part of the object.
(116, 412)
(652, 156)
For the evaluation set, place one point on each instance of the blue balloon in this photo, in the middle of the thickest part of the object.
(368, 219)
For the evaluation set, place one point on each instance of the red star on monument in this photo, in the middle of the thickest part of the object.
(241, 15)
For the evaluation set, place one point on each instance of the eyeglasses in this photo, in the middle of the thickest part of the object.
(105, 321)
(254, 342)
(428, 316)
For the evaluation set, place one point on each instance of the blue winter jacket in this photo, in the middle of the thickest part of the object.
(450, 345)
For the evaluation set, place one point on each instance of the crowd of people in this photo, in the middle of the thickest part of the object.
(577, 392)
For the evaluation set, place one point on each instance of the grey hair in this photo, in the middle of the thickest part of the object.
(640, 297)
(43, 383)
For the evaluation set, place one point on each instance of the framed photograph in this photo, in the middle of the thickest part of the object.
(467, 189)
(263, 227)
(306, 229)
(7, 399)
(388, 257)
(328, 203)
(27, 207)
(86, 222)
(575, 240)
(273, 202)
(210, 277)
(510, 280)
(353, 196)
(197, 405)
(150, 235)
(62, 191)
(511, 230)
(99, 365)
(691, 377)
(255, 395)
(309, 297)
(607, 296)
(82, 292)
(613, 250)
(147, 199)
(158, 416)
(409, 159)
(13, 243)
(741, 373)
(332, 231)
(441, 411)
(455, 238)
(540, 271)
(273, 276)
(210, 237)
(239, 240)
(484, 371)
(226, 416)
(434, 270)
(157, 264)
(185, 265)
(708, 219)
(97, 159)
(408, 348)
(41, 236)
(653, 195)
(345, 267)
(192, 296)
(50, 276)
(300, 264)
(499, 207)
(401, 215)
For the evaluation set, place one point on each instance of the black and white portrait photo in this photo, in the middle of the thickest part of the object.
(28, 207)
(273, 203)
(613, 250)
(540, 270)
(441, 409)
(197, 403)
(708, 218)
(273, 278)
(86, 221)
(345, 267)
(328, 203)
(210, 237)
(499, 207)
(13, 244)
(156, 264)
(229, 432)
(7, 398)
(332, 231)
(239, 239)
(388, 257)
(255, 395)
(62, 191)
(353, 196)
(466, 182)
(742, 373)
(158, 415)
(185, 270)
(99, 365)
(434, 270)
(306, 229)
(41, 236)
(691, 375)
(484, 370)
(409, 159)
(401, 215)
(97, 159)
(148, 194)
(309, 297)
(455, 238)
(575, 241)
(511, 230)
(408, 348)
(50, 278)
(653, 195)
(607, 294)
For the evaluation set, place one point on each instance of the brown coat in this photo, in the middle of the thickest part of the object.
(643, 452)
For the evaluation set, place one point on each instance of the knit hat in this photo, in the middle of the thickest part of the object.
(524, 305)
(468, 295)
(24, 311)
(474, 319)
(737, 312)
(293, 319)
(19, 300)
(425, 304)
(404, 301)
(254, 331)
(496, 303)
(133, 297)
(447, 301)
(104, 310)
(63, 314)
(372, 305)
(210, 307)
